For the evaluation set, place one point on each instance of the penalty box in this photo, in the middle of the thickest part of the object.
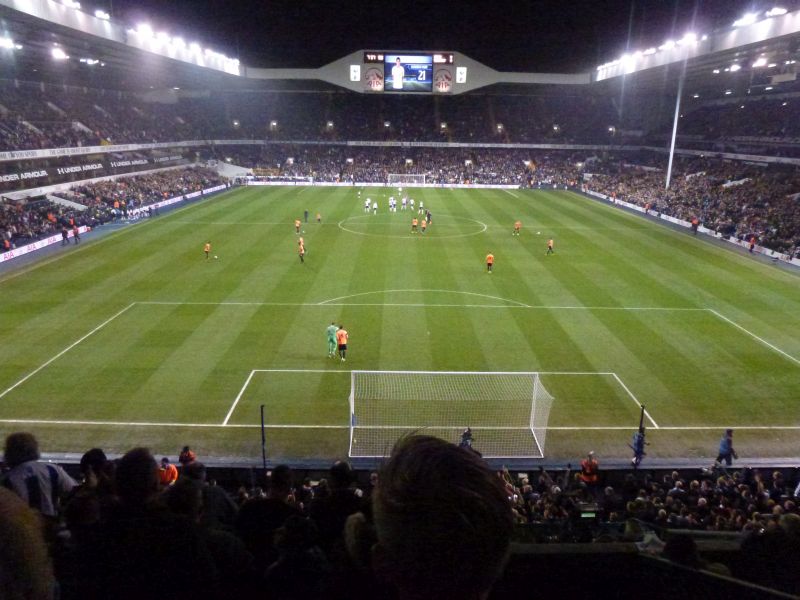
(195, 357)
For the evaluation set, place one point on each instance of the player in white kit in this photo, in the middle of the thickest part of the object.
(366, 205)
(405, 201)
(374, 207)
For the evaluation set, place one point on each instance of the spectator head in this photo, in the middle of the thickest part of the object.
(164, 461)
(94, 461)
(195, 470)
(280, 482)
(136, 478)
(341, 475)
(443, 521)
(185, 498)
(25, 570)
(187, 456)
(21, 447)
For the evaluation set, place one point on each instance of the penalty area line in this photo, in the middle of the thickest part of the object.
(67, 349)
(755, 337)
(639, 404)
(238, 397)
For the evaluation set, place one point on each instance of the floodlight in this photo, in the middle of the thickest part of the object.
(735, 68)
(776, 12)
(747, 19)
(784, 104)
(162, 37)
(7, 43)
(728, 92)
(695, 95)
(195, 47)
(443, 125)
(703, 38)
(499, 127)
(668, 45)
(760, 62)
(59, 54)
(768, 88)
(178, 42)
(144, 30)
(387, 124)
(649, 51)
(688, 38)
(101, 14)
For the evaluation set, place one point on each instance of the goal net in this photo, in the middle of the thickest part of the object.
(404, 179)
(507, 412)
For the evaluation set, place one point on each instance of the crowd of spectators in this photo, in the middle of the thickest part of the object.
(25, 221)
(34, 116)
(441, 166)
(434, 522)
(731, 198)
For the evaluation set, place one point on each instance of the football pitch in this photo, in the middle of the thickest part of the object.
(135, 338)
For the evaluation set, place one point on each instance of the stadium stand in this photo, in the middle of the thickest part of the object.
(122, 530)
(121, 533)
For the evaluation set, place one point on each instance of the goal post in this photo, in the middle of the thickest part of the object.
(405, 179)
(507, 411)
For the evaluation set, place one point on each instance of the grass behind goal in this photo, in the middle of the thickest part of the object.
(135, 339)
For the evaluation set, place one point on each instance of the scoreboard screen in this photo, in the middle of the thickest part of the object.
(408, 73)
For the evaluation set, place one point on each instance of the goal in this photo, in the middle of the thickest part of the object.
(404, 179)
(507, 411)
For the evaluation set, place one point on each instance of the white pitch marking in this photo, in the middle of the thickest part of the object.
(160, 424)
(238, 397)
(512, 193)
(67, 349)
(639, 404)
(754, 336)
(298, 426)
(516, 304)
(438, 372)
(423, 291)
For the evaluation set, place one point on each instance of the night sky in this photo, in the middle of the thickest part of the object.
(546, 36)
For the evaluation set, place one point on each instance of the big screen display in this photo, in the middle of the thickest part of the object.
(408, 72)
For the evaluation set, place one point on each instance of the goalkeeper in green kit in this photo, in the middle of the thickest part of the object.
(331, 331)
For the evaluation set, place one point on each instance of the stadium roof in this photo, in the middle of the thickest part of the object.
(757, 55)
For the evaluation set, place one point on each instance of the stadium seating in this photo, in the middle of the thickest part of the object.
(288, 533)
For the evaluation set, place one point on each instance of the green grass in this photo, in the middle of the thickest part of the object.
(146, 331)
